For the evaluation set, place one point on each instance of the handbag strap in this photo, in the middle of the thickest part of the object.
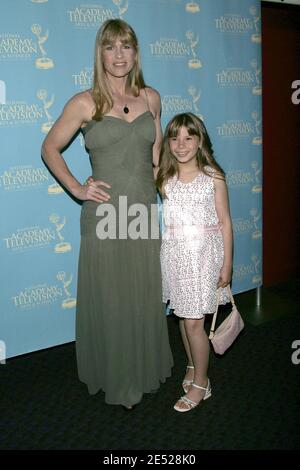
(212, 328)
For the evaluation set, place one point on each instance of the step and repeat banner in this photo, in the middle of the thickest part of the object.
(203, 56)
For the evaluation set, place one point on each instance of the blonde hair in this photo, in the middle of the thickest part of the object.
(205, 156)
(110, 31)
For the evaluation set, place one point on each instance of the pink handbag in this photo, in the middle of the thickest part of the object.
(229, 329)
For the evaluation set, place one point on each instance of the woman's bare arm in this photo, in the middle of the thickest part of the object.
(76, 112)
(155, 105)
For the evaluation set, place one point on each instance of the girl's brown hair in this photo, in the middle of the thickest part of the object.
(205, 155)
(110, 31)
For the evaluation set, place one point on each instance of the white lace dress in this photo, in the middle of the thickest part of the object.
(192, 248)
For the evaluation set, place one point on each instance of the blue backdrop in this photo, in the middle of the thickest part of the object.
(202, 56)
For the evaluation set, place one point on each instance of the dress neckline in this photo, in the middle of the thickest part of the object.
(92, 122)
(189, 182)
(106, 116)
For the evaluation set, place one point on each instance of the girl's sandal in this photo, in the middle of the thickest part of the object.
(190, 404)
(187, 383)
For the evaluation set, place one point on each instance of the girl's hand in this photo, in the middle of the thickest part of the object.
(225, 276)
(91, 191)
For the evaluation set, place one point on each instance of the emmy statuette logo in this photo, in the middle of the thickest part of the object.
(255, 37)
(62, 246)
(195, 99)
(43, 62)
(257, 188)
(256, 90)
(194, 63)
(69, 301)
(256, 279)
(42, 95)
(192, 7)
(256, 217)
(55, 188)
(257, 140)
(122, 7)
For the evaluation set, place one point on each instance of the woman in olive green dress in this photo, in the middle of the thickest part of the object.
(122, 342)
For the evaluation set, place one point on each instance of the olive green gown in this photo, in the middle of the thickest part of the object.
(122, 342)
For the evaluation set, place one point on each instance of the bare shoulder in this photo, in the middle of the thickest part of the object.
(219, 182)
(218, 176)
(214, 173)
(83, 104)
(152, 94)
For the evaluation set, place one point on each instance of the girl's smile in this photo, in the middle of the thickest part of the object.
(184, 146)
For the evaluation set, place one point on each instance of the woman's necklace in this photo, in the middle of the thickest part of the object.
(126, 109)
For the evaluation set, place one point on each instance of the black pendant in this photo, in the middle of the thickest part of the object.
(126, 110)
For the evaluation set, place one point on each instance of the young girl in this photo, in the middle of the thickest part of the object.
(196, 251)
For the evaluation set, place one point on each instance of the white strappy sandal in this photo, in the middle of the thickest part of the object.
(187, 383)
(190, 403)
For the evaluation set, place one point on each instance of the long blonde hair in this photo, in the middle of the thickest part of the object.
(205, 155)
(110, 31)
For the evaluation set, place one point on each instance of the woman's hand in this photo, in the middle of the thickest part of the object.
(225, 276)
(92, 190)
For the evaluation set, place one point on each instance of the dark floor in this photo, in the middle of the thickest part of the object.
(255, 401)
(274, 302)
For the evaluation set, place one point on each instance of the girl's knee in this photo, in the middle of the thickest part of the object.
(193, 325)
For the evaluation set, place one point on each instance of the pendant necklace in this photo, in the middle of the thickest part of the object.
(126, 109)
